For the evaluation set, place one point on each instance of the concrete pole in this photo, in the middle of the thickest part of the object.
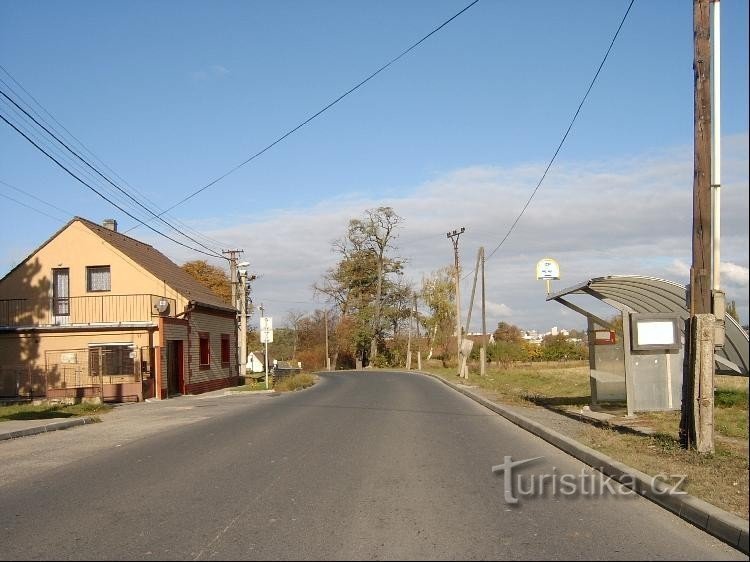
(483, 351)
(419, 341)
(408, 343)
(454, 236)
(328, 356)
(243, 323)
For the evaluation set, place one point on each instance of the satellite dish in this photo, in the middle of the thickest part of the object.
(162, 306)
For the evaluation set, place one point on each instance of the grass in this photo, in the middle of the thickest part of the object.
(295, 382)
(259, 384)
(47, 411)
(720, 479)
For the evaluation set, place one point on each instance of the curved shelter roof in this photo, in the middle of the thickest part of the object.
(635, 293)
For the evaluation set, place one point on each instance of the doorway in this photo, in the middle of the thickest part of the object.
(175, 377)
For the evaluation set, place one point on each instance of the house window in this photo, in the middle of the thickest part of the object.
(112, 359)
(225, 354)
(98, 279)
(205, 350)
(61, 292)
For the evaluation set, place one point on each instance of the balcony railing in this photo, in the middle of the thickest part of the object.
(88, 310)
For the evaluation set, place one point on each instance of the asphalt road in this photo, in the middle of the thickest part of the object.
(361, 466)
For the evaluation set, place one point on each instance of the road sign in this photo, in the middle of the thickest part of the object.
(547, 268)
(266, 329)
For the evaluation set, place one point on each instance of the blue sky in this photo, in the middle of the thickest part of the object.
(172, 95)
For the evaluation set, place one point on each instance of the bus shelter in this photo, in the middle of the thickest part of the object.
(641, 361)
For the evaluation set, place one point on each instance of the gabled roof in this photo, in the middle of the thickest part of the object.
(157, 264)
(150, 259)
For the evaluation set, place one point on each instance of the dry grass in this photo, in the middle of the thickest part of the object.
(295, 382)
(720, 479)
(47, 411)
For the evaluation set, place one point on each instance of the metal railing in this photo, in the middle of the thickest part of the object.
(91, 309)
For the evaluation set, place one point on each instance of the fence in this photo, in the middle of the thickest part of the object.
(112, 372)
(97, 309)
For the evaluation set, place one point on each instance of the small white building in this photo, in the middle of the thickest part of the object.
(255, 362)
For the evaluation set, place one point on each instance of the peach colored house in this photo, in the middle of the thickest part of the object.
(93, 312)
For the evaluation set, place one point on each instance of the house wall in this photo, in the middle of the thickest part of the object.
(32, 358)
(216, 375)
(31, 347)
(75, 248)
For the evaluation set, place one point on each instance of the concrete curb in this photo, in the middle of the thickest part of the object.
(723, 525)
(54, 426)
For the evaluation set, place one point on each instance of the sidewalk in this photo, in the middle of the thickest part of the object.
(13, 429)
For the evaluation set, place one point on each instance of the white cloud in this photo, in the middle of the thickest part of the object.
(733, 274)
(629, 216)
(498, 310)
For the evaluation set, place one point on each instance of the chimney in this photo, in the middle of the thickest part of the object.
(110, 224)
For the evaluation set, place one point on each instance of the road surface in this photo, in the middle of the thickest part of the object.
(367, 465)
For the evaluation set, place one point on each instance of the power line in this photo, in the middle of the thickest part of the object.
(84, 161)
(89, 151)
(326, 108)
(102, 195)
(31, 207)
(68, 213)
(565, 136)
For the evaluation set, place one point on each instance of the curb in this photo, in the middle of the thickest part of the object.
(54, 426)
(723, 525)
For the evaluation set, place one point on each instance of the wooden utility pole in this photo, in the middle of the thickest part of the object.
(696, 424)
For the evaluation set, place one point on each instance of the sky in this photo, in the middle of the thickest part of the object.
(170, 96)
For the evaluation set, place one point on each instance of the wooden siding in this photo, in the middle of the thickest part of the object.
(216, 376)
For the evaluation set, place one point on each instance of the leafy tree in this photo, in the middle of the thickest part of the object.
(508, 333)
(559, 348)
(365, 284)
(732, 311)
(212, 277)
(505, 352)
(438, 293)
(374, 233)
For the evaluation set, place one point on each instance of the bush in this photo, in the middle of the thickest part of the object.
(295, 382)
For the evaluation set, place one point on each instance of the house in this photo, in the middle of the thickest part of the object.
(93, 312)
(256, 362)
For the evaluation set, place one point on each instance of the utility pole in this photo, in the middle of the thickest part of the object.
(419, 341)
(719, 297)
(696, 423)
(454, 236)
(243, 322)
(483, 351)
(328, 357)
(471, 308)
(233, 257)
(408, 344)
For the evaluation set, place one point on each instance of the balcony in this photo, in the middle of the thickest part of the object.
(96, 310)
